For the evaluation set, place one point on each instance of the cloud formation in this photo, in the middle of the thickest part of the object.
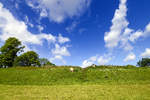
(11, 27)
(59, 52)
(130, 57)
(89, 61)
(146, 53)
(58, 10)
(119, 23)
(62, 39)
(120, 34)
(101, 60)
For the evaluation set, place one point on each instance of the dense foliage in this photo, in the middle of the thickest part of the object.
(29, 58)
(144, 62)
(9, 55)
(9, 51)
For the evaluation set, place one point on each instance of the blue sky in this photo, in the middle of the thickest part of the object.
(79, 32)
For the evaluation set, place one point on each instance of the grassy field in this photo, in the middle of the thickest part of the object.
(112, 83)
(75, 92)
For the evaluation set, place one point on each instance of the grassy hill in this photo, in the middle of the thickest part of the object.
(63, 76)
(59, 83)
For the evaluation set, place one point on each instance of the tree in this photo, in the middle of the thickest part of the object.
(1, 61)
(29, 58)
(9, 51)
(144, 62)
(44, 61)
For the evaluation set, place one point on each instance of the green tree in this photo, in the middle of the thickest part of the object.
(44, 62)
(1, 61)
(144, 62)
(29, 58)
(9, 51)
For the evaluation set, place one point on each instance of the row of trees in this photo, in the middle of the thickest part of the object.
(12, 48)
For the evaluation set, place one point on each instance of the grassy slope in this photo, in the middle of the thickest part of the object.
(88, 84)
(63, 76)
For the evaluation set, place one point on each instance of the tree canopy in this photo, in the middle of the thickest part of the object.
(144, 62)
(9, 51)
(12, 48)
(29, 58)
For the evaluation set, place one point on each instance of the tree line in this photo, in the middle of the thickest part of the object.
(12, 48)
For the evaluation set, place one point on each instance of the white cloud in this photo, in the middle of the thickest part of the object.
(11, 27)
(58, 10)
(119, 34)
(63, 51)
(89, 61)
(62, 39)
(127, 31)
(130, 57)
(59, 52)
(103, 60)
(43, 13)
(40, 28)
(119, 23)
(138, 34)
(135, 36)
(146, 53)
(147, 29)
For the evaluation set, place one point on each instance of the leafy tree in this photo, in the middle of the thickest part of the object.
(144, 62)
(44, 61)
(29, 58)
(9, 51)
(1, 61)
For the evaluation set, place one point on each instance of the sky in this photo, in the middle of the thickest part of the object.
(79, 32)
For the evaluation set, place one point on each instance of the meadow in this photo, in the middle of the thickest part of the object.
(59, 83)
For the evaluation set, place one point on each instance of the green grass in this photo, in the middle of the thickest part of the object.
(58, 83)
(75, 92)
(63, 76)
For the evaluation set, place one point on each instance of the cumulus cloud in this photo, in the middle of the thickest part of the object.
(130, 57)
(147, 30)
(58, 10)
(11, 27)
(59, 52)
(101, 60)
(135, 36)
(146, 53)
(62, 39)
(138, 34)
(89, 61)
(119, 23)
(119, 34)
